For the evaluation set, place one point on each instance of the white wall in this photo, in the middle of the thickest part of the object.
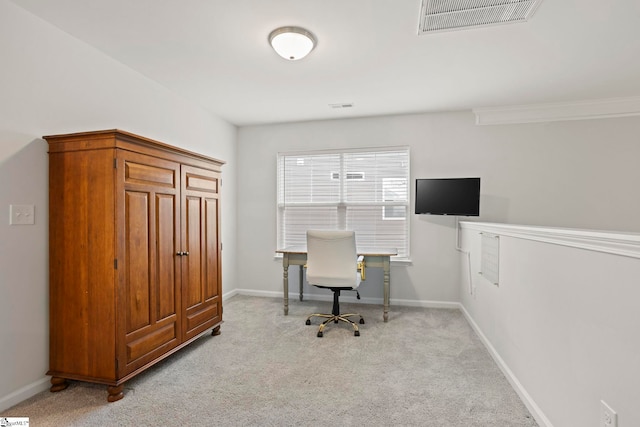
(563, 320)
(51, 83)
(580, 174)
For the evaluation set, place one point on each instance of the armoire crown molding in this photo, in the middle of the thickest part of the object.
(575, 110)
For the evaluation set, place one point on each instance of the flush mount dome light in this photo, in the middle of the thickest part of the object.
(292, 43)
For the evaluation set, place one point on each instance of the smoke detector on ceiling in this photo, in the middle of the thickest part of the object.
(449, 15)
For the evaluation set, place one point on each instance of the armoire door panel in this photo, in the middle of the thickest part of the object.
(192, 265)
(137, 260)
(152, 283)
(211, 240)
(207, 312)
(201, 280)
(165, 255)
(151, 341)
(138, 173)
(201, 183)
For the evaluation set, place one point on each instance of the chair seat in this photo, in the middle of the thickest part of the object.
(340, 288)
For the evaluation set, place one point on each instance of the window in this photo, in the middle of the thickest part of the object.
(394, 189)
(362, 190)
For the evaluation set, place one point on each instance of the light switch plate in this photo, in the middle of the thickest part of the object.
(22, 215)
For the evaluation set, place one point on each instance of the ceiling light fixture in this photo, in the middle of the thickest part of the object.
(292, 43)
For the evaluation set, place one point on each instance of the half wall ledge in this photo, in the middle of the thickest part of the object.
(612, 242)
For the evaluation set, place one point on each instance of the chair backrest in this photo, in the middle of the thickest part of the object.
(332, 259)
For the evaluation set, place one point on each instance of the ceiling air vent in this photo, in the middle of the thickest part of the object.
(448, 15)
(341, 105)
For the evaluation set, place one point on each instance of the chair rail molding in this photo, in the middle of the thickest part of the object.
(612, 242)
(575, 110)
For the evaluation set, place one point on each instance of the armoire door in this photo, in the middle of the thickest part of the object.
(148, 265)
(201, 277)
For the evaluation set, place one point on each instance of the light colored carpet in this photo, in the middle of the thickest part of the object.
(425, 367)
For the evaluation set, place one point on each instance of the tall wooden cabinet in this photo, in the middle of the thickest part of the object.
(134, 254)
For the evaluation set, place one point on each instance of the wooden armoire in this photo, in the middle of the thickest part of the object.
(134, 254)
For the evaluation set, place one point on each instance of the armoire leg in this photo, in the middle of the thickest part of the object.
(215, 331)
(115, 392)
(58, 384)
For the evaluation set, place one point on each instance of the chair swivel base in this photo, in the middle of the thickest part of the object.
(336, 318)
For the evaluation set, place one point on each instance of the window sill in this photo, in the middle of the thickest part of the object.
(394, 261)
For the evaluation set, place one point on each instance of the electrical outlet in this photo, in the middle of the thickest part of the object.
(22, 215)
(608, 417)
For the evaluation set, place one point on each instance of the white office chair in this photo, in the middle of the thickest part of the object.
(333, 263)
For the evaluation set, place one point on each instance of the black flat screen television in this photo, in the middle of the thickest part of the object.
(448, 196)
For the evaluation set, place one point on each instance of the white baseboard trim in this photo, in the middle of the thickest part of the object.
(424, 303)
(255, 293)
(531, 405)
(229, 294)
(24, 393)
(347, 298)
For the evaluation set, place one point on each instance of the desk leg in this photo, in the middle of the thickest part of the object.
(285, 282)
(386, 268)
(301, 268)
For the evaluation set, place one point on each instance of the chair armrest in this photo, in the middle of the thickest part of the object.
(361, 267)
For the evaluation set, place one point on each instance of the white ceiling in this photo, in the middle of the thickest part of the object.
(369, 53)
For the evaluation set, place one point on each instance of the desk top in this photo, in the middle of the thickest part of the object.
(361, 251)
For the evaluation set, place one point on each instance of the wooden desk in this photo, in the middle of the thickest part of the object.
(297, 255)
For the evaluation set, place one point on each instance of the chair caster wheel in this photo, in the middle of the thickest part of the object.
(319, 334)
(362, 321)
(335, 321)
(308, 322)
(356, 333)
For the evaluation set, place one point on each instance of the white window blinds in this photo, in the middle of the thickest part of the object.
(362, 190)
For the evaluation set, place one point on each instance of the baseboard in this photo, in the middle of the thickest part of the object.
(24, 393)
(254, 293)
(531, 405)
(347, 298)
(424, 303)
(229, 294)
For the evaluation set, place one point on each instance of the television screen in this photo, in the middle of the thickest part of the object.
(448, 196)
